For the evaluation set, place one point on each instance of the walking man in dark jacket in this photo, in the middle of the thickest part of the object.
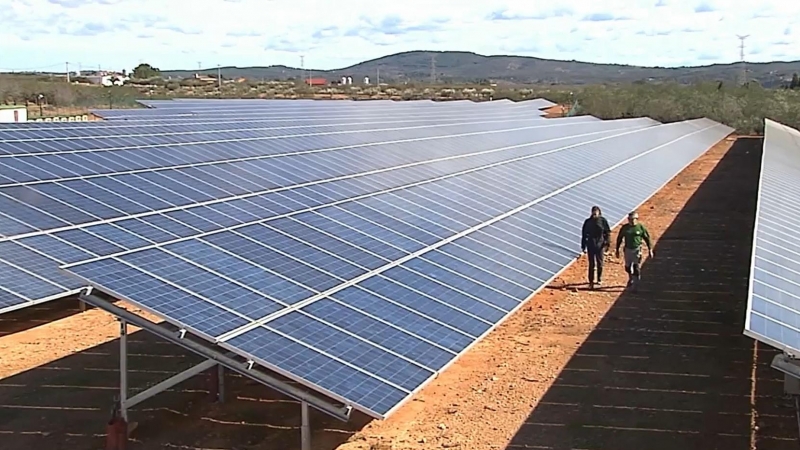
(595, 240)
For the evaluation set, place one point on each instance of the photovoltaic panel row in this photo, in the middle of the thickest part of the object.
(308, 112)
(35, 130)
(773, 307)
(188, 131)
(217, 109)
(198, 158)
(369, 299)
(57, 222)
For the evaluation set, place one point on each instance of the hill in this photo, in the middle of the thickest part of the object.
(472, 67)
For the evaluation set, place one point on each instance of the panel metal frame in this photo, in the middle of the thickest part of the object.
(214, 358)
(788, 351)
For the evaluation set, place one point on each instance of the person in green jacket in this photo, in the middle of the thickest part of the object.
(634, 233)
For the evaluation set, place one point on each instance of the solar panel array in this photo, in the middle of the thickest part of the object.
(358, 263)
(773, 309)
(66, 189)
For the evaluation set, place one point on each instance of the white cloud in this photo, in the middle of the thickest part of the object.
(180, 33)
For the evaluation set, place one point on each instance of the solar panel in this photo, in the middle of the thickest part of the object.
(179, 109)
(773, 307)
(183, 131)
(367, 295)
(63, 206)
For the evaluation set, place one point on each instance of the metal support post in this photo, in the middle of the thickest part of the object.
(243, 368)
(212, 380)
(123, 369)
(221, 379)
(305, 429)
(791, 372)
(169, 383)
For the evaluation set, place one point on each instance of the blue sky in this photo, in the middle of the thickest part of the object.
(170, 34)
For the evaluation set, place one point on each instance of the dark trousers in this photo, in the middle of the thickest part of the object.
(595, 255)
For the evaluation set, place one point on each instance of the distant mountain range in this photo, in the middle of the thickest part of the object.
(472, 67)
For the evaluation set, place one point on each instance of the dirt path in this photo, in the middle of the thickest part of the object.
(666, 368)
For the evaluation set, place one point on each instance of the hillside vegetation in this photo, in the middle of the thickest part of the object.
(58, 97)
(467, 67)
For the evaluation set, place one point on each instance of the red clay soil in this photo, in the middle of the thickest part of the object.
(663, 368)
(556, 111)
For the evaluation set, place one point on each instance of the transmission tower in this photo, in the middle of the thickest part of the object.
(433, 69)
(741, 58)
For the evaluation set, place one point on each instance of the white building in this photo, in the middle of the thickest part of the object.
(13, 113)
(108, 80)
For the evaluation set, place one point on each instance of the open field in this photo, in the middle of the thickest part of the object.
(665, 368)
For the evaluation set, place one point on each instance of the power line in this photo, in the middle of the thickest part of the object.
(433, 68)
(30, 69)
(741, 58)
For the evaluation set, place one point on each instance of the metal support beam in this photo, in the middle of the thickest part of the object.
(221, 380)
(341, 413)
(123, 368)
(305, 429)
(168, 383)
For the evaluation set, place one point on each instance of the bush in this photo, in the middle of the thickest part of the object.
(743, 108)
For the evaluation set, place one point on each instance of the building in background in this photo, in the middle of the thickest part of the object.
(316, 82)
(108, 79)
(13, 113)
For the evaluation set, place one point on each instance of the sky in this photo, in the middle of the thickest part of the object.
(184, 34)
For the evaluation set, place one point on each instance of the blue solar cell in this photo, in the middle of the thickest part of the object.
(171, 223)
(89, 242)
(36, 263)
(517, 271)
(12, 227)
(430, 222)
(323, 371)
(407, 230)
(145, 230)
(356, 352)
(304, 274)
(461, 301)
(239, 213)
(301, 251)
(41, 199)
(190, 223)
(359, 238)
(20, 170)
(26, 215)
(139, 194)
(55, 248)
(295, 227)
(380, 227)
(16, 280)
(9, 300)
(468, 278)
(198, 281)
(179, 306)
(404, 317)
(121, 237)
(246, 273)
(380, 332)
(425, 305)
